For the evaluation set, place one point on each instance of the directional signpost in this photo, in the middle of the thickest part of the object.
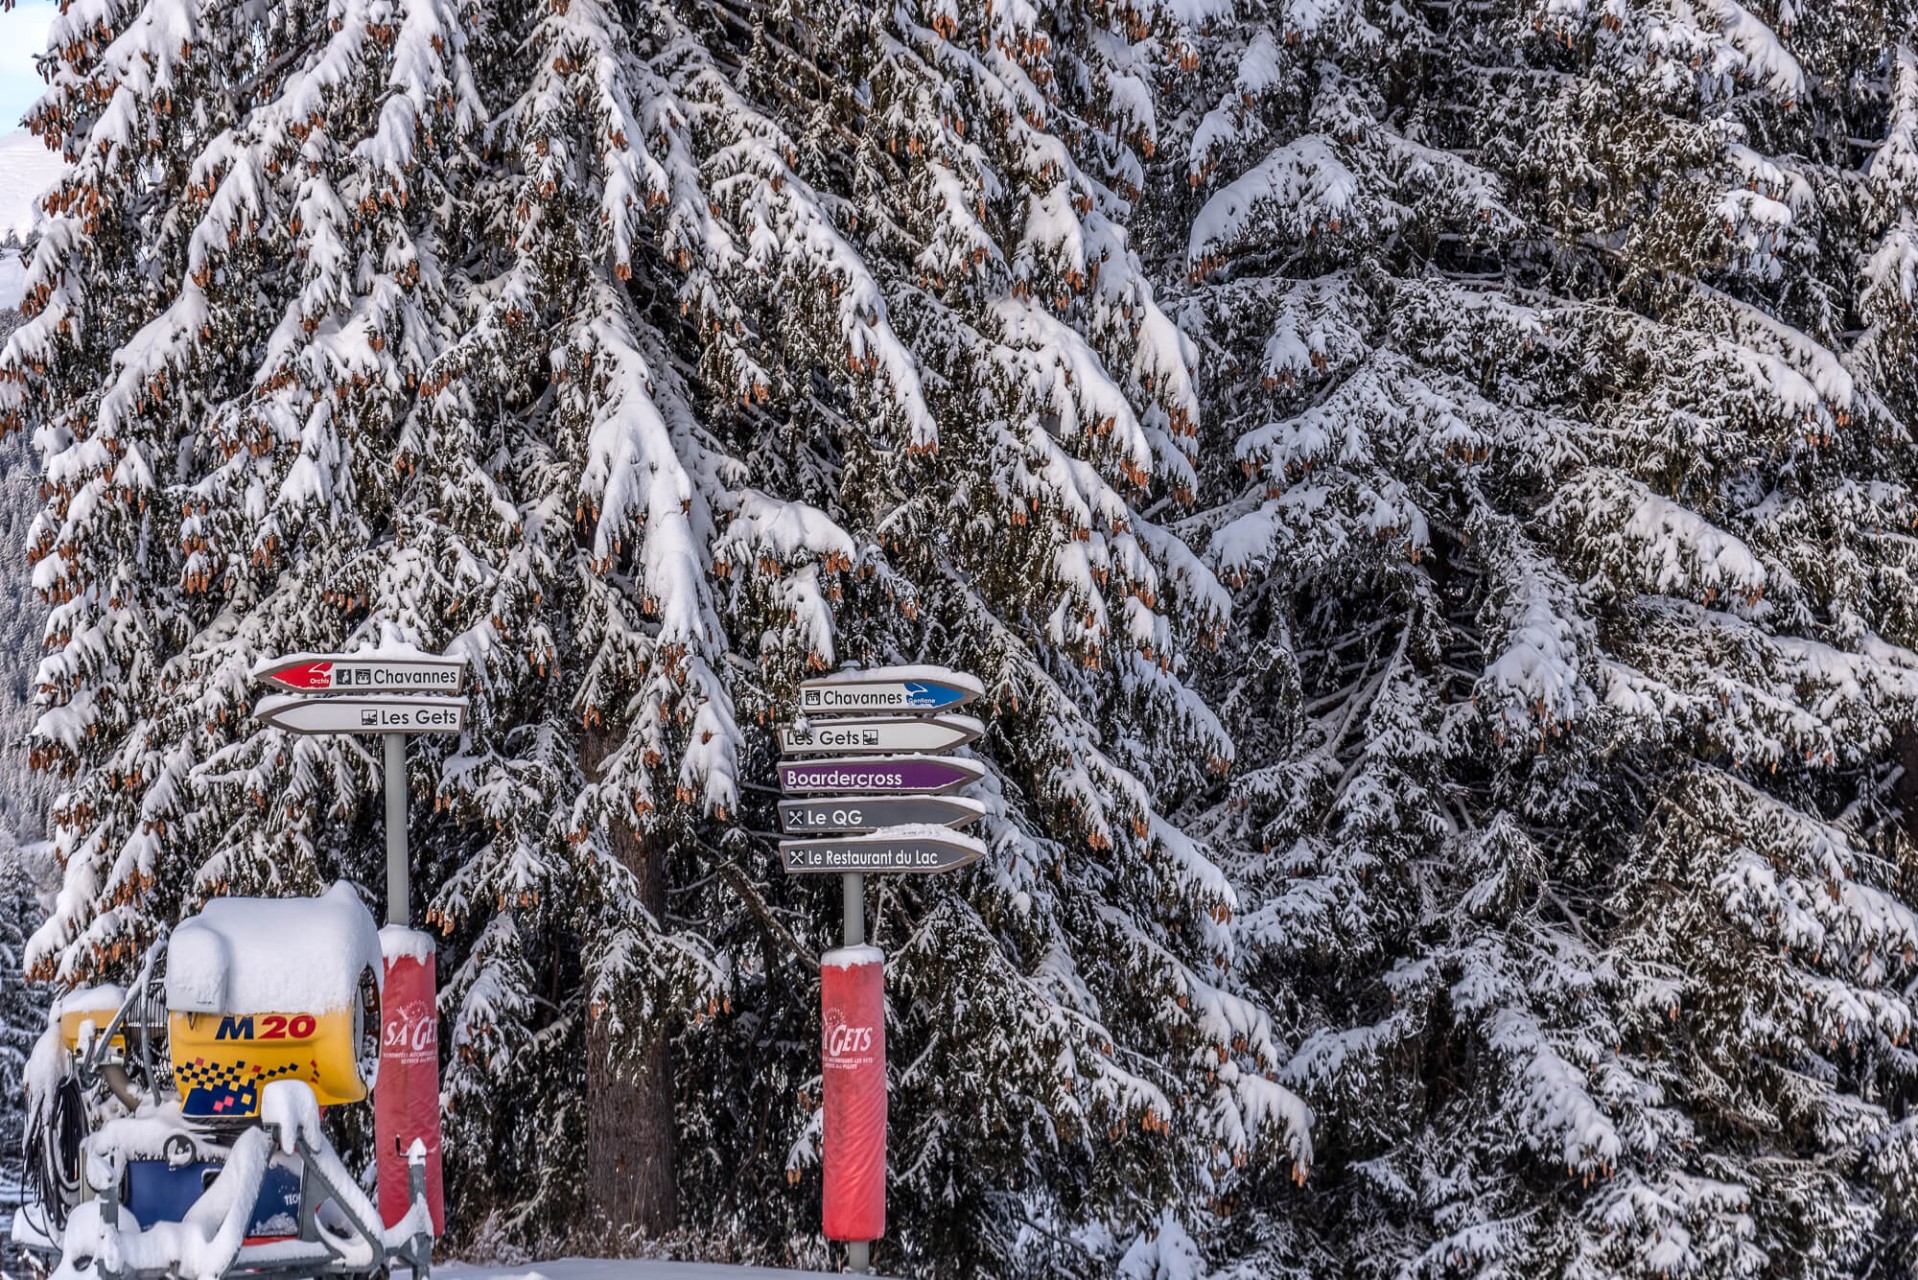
(895, 690)
(359, 673)
(857, 735)
(392, 691)
(888, 851)
(871, 789)
(389, 713)
(887, 775)
(387, 691)
(842, 815)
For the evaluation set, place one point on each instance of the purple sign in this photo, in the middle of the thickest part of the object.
(883, 775)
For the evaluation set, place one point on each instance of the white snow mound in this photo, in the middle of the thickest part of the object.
(913, 671)
(397, 942)
(851, 957)
(273, 955)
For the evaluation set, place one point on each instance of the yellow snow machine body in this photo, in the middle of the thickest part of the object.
(175, 1128)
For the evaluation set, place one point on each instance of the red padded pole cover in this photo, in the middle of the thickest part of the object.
(853, 997)
(406, 1097)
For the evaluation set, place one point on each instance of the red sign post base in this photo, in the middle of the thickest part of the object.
(853, 1155)
(406, 1097)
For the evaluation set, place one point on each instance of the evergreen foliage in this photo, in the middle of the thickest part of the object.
(1562, 349)
(652, 357)
(24, 794)
(1515, 395)
(22, 1005)
(23, 1010)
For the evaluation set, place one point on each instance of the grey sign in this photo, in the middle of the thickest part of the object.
(880, 853)
(840, 815)
(856, 735)
(380, 714)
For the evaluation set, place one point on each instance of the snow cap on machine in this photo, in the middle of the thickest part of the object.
(262, 955)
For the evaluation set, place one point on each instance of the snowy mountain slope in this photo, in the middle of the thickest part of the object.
(13, 278)
(26, 170)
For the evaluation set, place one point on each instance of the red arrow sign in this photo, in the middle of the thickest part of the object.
(306, 675)
(368, 671)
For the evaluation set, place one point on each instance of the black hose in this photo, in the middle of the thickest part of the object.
(54, 1133)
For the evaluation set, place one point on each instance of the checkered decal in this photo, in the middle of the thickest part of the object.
(224, 1089)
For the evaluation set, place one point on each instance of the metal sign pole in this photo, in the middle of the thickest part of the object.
(853, 889)
(854, 884)
(398, 910)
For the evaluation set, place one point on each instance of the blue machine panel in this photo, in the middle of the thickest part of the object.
(158, 1192)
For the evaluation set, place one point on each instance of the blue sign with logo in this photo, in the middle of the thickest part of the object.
(881, 691)
(923, 693)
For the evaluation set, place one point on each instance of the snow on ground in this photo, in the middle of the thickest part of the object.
(595, 1269)
(612, 1269)
(26, 170)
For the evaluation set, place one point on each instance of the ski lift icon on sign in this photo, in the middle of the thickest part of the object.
(369, 717)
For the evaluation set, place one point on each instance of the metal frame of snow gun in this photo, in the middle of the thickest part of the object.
(353, 1244)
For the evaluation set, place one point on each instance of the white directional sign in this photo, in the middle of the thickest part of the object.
(851, 735)
(833, 815)
(893, 690)
(897, 850)
(366, 672)
(384, 713)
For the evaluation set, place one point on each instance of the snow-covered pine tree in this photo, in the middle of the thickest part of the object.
(23, 1005)
(23, 1013)
(653, 357)
(1565, 351)
(23, 793)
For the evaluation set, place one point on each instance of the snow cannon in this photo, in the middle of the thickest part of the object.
(265, 989)
(175, 1128)
(85, 1012)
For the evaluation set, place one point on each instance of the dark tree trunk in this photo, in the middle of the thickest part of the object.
(631, 1142)
(1904, 792)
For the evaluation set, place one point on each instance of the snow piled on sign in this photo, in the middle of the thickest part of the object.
(901, 675)
(852, 957)
(273, 955)
(390, 649)
(397, 942)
